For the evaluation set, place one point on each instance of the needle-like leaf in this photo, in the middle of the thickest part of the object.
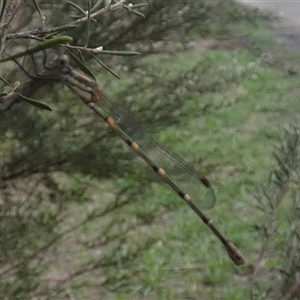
(40, 46)
(35, 103)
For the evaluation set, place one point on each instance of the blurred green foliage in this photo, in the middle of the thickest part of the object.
(81, 218)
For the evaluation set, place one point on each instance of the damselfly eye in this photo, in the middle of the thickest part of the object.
(60, 62)
(63, 60)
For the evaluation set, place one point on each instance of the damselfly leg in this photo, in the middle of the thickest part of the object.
(34, 65)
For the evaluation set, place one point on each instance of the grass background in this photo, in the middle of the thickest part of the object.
(232, 96)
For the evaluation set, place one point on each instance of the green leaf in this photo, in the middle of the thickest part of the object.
(38, 104)
(36, 5)
(120, 53)
(41, 46)
(105, 67)
(136, 12)
(81, 64)
(96, 6)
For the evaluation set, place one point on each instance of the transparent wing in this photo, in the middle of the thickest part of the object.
(186, 178)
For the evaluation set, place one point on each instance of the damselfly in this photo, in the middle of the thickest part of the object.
(177, 173)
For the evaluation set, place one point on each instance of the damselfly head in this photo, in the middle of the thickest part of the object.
(60, 62)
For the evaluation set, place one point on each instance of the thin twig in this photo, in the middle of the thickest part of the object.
(28, 89)
(100, 12)
(73, 24)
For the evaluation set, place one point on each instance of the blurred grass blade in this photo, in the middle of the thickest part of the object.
(3, 80)
(35, 103)
(41, 46)
(81, 64)
(36, 5)
(105, 67)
